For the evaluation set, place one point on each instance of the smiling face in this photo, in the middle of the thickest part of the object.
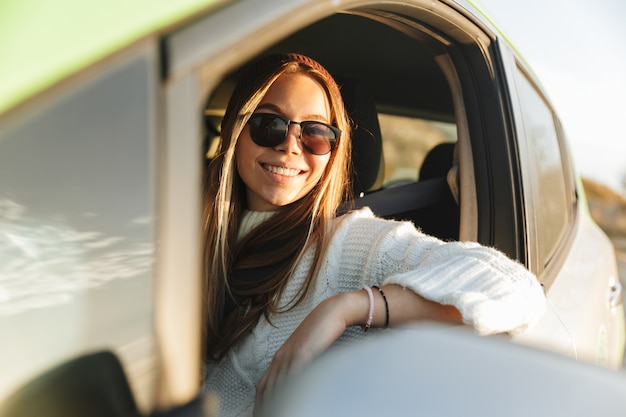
(280, 175)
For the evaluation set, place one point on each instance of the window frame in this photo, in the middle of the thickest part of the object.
(492, 204)
(545, 271)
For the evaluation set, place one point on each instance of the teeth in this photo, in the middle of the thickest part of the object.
(287, 172)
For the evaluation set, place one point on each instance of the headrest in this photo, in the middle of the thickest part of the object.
(367, 150)
(442, 161)
(438, 161)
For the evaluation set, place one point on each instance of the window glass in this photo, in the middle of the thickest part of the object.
(77, 220)
(406, 142)
(550, 197)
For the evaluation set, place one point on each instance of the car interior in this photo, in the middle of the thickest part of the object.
(405, 121)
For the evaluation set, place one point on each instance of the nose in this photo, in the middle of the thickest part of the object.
(291, 144)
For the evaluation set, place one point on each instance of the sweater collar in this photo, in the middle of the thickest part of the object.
(252, 219)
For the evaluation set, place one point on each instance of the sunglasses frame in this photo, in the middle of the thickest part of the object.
(303, 124)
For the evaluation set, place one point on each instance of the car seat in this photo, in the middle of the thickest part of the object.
(367, 148)
(441, 219)
(429, 203)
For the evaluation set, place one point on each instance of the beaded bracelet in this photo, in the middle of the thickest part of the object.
(380, 290)
(370, 315)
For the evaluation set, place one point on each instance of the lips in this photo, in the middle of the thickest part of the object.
(286, 172)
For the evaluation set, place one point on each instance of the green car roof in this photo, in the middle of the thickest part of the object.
(43, 41)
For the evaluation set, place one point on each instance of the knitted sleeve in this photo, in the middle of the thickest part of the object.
(493, 293)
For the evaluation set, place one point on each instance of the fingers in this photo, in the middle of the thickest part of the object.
(282, 364)
(273, 377)
(314, 335)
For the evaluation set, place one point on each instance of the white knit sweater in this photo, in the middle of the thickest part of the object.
(493, 293)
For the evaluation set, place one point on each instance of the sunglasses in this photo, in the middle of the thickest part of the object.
(269, 130)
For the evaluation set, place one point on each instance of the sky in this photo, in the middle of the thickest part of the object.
(577, 48)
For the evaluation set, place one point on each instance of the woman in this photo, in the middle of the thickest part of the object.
(287, 277)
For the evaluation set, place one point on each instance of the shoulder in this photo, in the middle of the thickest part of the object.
(364, 224)
(356, 218)
(362, 214)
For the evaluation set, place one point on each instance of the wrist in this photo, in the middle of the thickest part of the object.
(352, 307)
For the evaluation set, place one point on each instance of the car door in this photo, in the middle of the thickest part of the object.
(77, 232)
(573, 259)
(99, 238)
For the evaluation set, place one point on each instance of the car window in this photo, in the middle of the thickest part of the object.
(548, 171)
(407, 141)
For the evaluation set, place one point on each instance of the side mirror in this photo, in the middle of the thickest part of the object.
(93, 385)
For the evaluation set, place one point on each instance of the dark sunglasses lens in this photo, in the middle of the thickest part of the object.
(267, 130)
(318, 138)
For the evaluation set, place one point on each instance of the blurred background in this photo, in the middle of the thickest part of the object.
(576, 47)
(577, 50)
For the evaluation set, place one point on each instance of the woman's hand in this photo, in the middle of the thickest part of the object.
(325, 324)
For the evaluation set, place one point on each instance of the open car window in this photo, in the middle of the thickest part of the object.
(413, 99)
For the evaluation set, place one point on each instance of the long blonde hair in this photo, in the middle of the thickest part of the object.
(278, 244)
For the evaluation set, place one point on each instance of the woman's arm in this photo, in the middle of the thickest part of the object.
(493, 293)
(422, 277)
(328, 321)
(404, 306)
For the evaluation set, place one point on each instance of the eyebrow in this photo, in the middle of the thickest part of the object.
(276, 109)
